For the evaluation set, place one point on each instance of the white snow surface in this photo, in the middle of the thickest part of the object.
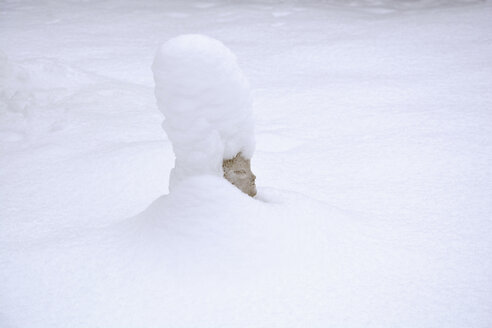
(206, 102)
(373, 157)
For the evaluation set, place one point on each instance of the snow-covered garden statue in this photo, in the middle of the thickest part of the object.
(206, 101)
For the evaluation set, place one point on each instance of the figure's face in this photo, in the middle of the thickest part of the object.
(243, 179)
(238, 172)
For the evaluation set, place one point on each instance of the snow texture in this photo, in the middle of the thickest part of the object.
(373, 143)
(206, 101)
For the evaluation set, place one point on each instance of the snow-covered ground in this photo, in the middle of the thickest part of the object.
(373, 157)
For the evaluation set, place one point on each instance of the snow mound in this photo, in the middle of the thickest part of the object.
(36, 82)
(224, 258)
(32, 96)
(206, 101)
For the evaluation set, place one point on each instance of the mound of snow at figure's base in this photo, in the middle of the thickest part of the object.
(208, 255)
(207, 223)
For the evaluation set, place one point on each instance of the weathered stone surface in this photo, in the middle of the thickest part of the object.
(238, 172)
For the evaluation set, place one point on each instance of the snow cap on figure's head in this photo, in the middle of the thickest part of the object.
(206, 101)
(194, 63)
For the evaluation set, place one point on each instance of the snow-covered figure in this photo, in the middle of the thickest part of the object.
(206, 101)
